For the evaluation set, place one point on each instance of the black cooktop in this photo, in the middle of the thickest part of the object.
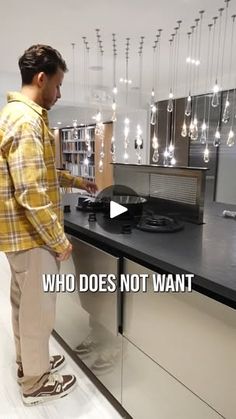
(156, 223)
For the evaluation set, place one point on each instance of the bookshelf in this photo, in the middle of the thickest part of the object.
(73, 153)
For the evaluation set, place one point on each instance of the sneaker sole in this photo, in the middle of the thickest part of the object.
(32, 401)
(19, 380)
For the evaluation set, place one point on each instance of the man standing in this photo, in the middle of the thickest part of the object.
(31, 231)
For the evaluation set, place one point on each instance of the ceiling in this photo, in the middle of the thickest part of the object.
(59, 23)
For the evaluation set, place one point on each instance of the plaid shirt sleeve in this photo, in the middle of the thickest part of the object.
(29, 174)
(69, 181)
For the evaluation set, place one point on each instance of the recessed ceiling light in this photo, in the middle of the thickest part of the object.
(59, 123)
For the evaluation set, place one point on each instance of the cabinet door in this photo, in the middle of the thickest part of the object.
(103, 306)
(190, 335)
(88, 321)
(150, 392)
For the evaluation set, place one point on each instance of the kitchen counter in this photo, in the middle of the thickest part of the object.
(208, 251)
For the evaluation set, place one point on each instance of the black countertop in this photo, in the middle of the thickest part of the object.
(208, 251)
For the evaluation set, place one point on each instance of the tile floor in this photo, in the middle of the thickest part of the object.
(85, 402)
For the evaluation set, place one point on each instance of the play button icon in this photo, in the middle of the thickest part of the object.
(119, 209)
(116, 209)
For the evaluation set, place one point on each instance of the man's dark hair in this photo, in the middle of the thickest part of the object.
(39, 58)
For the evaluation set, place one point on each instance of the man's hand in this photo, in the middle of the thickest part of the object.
(66, 254)
(89, 186)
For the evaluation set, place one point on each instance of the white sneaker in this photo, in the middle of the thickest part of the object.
(55, 387)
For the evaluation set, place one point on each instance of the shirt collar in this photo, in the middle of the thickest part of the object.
(18, 97)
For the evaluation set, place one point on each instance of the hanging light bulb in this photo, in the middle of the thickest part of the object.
(215, 97)
(126, 129)
(88, 143)
(113, 149)
(173, 161)
(139, 139)
(191, 127)
(126, 139)
(86, 161)
(153, 114)
(226, 112)
(99, 124)
(100, 165)
(203, 137)
(188, 106)
(231, 138)
(194, 129)
(166, 157)
(75, 130)
(139, 142)
(171, 150)
(89, 151)
(102, 154)
(155, 146)
(170, 102)
(216, 141)
(206, 154)
(184, 131)
(113, 118)
(115, 90)
(126, 156)
(85, 167)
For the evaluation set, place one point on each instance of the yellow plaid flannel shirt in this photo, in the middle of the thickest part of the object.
(30, 208)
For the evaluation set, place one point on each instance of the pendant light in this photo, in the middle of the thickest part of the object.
(216, 88)
(74, 122)
(126, 121)
(170, 99)
(114, 100)
(227, 105)
(114, 89)
(217, 136)
(193, 129)
(198, 59)
(155, 143)
(153, 118)
(223, 44)
(170, 104)
(203, 136)
(87, 137)
(206, 153)
(231, 135)
(188, 108)
(175, 85)
(184, 131)
(139, 137)
(99, 127)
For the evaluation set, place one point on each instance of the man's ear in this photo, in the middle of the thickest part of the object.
(40, 79)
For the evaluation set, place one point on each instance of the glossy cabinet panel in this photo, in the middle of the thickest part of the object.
(150, 392)
(88, 321)
(190, 335)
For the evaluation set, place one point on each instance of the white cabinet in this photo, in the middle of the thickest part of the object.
(191, 336)
(148, 391)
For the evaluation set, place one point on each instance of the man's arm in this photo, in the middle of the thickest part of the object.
(69, 181)
(25, 159)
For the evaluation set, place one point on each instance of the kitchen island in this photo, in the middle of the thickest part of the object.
(173, 353)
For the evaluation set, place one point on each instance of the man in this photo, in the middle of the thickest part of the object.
(31, 231)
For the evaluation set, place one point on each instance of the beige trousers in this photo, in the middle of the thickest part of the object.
(33, 312)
